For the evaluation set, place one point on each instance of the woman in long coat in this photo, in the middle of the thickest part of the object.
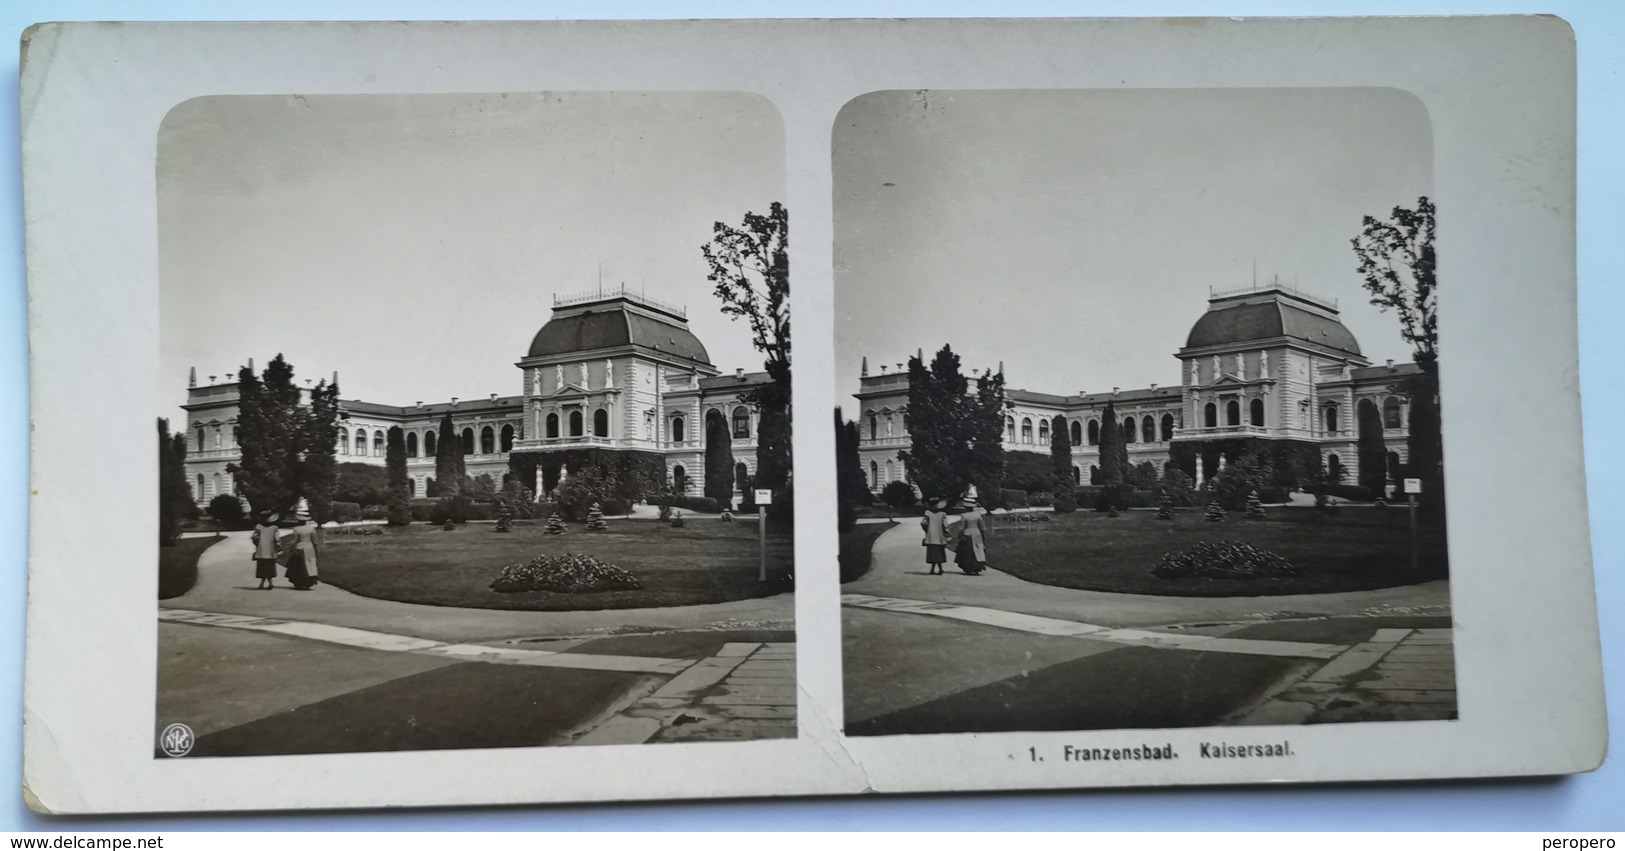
(303, 544)
(265, 550)
(971, 555)
(935, 524)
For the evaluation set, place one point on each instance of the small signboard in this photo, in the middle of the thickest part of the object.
(1413, 485)
(764, 497)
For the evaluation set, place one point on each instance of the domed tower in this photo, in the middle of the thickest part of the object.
(1269, 362)
(597, 372)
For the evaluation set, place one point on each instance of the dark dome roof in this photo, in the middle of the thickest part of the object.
(612, 326)
(1250, 321)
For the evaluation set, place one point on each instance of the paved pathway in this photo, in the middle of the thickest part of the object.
(686, 699)
(226, 585)
(1395, 673)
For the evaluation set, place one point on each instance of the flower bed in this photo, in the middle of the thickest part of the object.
(1222, 560)
(565, 574)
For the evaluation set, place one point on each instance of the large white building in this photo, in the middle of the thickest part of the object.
(1263, 363)
(610, 370)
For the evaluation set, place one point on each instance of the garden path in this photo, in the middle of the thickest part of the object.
(225, 572)
(899, 571)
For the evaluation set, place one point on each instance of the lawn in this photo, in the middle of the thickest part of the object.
(1352, 549)
(706, 561)
(177, 565)
(857, 549)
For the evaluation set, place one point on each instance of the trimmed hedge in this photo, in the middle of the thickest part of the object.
(697, 504)
(1012, 498)
(345, 512)
(1354, 493)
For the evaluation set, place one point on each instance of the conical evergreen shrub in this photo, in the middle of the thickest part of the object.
(1165, 509)
(1255, 505)
(555, 524)
(595, 519)
(1215, 513)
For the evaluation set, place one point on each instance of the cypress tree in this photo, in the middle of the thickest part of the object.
(400, 506)
(271, 434)
(1060, 453)
(1372, 450)
(319, 472)
(848, 473)
(448, 459)
(719, 459)
(1112, 461)
(173, 493)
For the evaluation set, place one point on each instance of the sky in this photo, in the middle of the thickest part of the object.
(1074, 234)
(414, 242)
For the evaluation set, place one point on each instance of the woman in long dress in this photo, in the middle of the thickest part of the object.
(303, 543)
(935, 524)
(265, 550)
(971, 554)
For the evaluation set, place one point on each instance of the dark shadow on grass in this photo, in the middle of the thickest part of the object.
(177, 565)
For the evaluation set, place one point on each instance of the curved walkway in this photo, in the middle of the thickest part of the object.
(226, 583)
(898, 570)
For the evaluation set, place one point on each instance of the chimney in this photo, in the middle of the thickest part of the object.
(1153, 387)
(493, 397)
(739, 373)
(192, 380)
(1390, 364)
(419, 404)
(919, 355)
(1001, 367)
(336, 380)
(864, 372)
(250, 364)
(454, 401)
(1114, 391)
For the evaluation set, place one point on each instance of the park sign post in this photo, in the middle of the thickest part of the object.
(764, 498)
(1412, 488)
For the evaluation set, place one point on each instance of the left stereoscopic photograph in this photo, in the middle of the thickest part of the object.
(478, 429)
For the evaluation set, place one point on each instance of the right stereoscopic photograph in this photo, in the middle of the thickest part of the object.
(1139, 421)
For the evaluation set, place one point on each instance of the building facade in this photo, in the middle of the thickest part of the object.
(610, 370)
(1265, 363)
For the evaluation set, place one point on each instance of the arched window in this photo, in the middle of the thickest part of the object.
(468, 441)
(741, 423)
(552, 425)
(360, 441)
(905, 421)
(679, 479)
(200, 487)
(1043, 431)
(1128, 430)
(1094, 474)
(1010, 429)
(1232, 413)
(200, 438)
(1148, 430)
(1026, 430)
(344, 441)
(233, 435)
(1257, 411)
(1391, 417)
(1077, 475)
(1094, 433)
(488, 441)
(1334, 468)
(429, 442)
(1077, 432)
(412, 488)
(648, 425)
(600, 423)
(874, 427)
(677, 429)
(1395, 472)
(378, 444)
(507, 438)
(741, 476)
(891, 472)
(575, 423)
(1331, 419)
(874, 475)
(1167, 427)
(1210, 415)
(217, 489)
(411, 444)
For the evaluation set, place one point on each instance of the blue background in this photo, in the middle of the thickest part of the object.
(1587, 802)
